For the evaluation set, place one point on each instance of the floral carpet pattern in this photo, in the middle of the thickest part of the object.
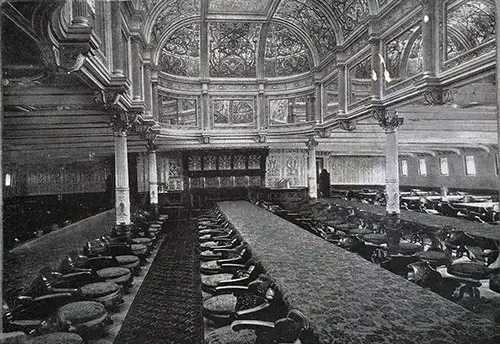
(167, 307)
(348, 299)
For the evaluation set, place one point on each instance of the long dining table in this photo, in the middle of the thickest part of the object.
(346, 298)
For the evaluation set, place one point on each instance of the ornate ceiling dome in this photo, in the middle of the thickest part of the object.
(249, 38)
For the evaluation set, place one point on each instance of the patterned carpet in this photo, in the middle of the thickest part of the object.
(167, 307)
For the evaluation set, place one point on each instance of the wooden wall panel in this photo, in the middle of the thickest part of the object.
(286, 164)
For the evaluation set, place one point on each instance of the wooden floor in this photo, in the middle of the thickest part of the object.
(348, 299)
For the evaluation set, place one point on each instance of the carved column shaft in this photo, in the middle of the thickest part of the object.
(430, 39)
(292, 117)
(153, 182)
(136, 69)
(154, 90)
(80, 12)
(122, 193)
(147, 89)
(204, 110)
(261, 106)
(117, 41)
(310, 108)
(391, 171)
(318, 103)
(390, 121)
(311, 176)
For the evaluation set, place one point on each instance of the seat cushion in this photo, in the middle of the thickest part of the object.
(55, 338)
(116, 274)
(213, 280)
(99, 289)
(210, 266)
(220, 304)
(472, 270)
(409, 248)
(226, 335)
(375, 238)
(138, 248)
(80, 312)
(210, 255)
(144, 241)
(436, 258)
(127, 259)
(495, 283)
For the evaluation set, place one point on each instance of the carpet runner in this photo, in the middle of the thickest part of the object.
(167, 307)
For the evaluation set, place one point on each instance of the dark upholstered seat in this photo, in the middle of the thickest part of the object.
(85, 318)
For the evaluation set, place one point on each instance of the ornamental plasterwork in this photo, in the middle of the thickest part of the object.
(175, 11)
(311, 20)
(360, 81)
(180, 55)
(404, 55)
(232, 49)
(239, 6)
(350, 14)
(391, 19)
(469, 25)
(233, 111)
(286, 53)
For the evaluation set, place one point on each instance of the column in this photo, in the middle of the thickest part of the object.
(79, 9)
(390, 121)
(496, 263)
(342, 88)
(430, 40)
(117, 41)
(261, 106)
(1, 174)
(292, 117)
(122, 191)
(136, 69)
(318, 102)
(378, 69)
(147, 89)
(154, 96)
(311, 171)
(153, 177)
(205, 124)
(310, 107)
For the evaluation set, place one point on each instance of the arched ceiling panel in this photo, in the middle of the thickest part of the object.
(286, 53)
(180, 55)
(257, 7)
(166, 13)
(349, 13)
(312, 20)
(233, 49)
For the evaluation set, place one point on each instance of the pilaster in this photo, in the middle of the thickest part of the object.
(311, 176)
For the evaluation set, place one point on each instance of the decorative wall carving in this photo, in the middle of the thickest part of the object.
(177, 111)
(391, 19)
(169, 170)
(233, 111)
(470, 31)
(404, 54)
(350, 14)
(66, 178)
(286, 164)
(239, 6)
(359, 81)
(286, 53)
(313, 21)
(180, 55)
(232, 49)
(356, 170)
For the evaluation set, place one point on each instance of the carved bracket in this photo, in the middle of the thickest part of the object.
(259, 138)
(347, 124)
(311, 142)
(388, 120)
(205, 139)
(438, 96)
(108, 98)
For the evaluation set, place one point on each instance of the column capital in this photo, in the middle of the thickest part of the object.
(347, 124)
(312, 142)
(388, 120)
(122, 121)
